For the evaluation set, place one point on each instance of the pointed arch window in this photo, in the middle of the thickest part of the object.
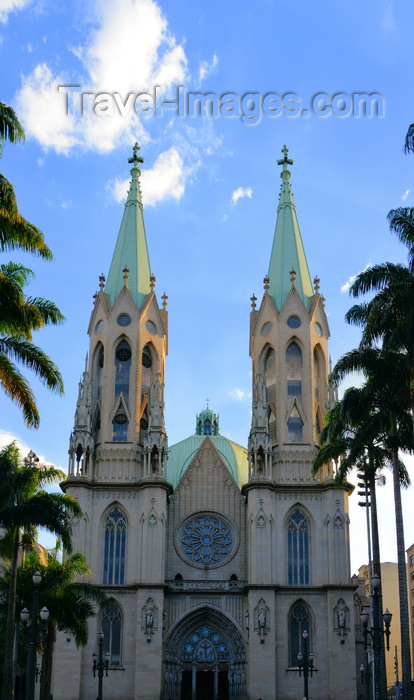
(120, 426)
(269, 373)
(111, 625)
(122, 370)
(99, 373)
(115, 547)
(295, 426)
(316, 374)
(298, 549)
(299, 622)
(294, 372)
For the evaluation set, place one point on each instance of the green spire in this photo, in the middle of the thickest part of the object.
(288, 254)
(130, 262)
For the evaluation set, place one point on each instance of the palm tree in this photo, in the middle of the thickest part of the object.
(386, 375)
(409, 140)
(24, 506)
(352, 438)
(19, 316)
(70, 603)
(388, 318)
(15, 231)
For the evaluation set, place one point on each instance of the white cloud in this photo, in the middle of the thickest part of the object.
(7, 6)
(6, 438)
(238, 394)
(240, 193)
(387, 19)
(165, 180)
(207, 68)
(345, 287)
(131, 51)
(405, 195)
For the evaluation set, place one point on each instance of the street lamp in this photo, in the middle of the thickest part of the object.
(31, 664)
(376, 632)
(44, 616)
(305, 662)
(100, 666)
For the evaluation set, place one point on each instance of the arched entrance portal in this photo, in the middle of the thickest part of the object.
(205, 658)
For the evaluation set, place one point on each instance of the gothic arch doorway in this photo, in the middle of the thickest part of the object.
(205, 658)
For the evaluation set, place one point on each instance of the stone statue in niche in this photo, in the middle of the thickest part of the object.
(262, 619)
(149, 618)
(341, 619)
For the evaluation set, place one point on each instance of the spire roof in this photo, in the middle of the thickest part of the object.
(288, 253)
(131, 251)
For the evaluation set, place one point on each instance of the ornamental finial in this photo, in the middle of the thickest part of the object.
(136, 159)
(285, 161)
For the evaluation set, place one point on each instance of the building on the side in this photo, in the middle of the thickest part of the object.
(216, 557)
(410, 587)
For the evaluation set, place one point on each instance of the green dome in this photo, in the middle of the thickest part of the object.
(180, 455)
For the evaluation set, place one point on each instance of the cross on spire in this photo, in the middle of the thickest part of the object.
(285, 161)
(136, 159)
(207, 400)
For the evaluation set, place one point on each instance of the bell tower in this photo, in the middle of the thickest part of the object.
(289, 349)
(117, 459)
(120, 411)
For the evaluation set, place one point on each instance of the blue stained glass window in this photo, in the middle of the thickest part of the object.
(122, 368)
(206, 540)
(298, 549)
(115, 548)
(205, 644)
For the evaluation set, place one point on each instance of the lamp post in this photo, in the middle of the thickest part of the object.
(376, 632)
(31, 663)
(306, 666)
(366, 675)
(100, 666)
(44, 616)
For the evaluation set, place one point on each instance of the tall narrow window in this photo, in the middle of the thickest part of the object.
(298, 623)
(316, 375)
(298, 549)
(99, 373)
(122, 369)
(111, 626)
(294, 372)
(269, 372)
(115, 547)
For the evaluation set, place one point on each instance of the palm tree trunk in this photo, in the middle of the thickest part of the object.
(402, 580)
(8, 680)
(376, 565)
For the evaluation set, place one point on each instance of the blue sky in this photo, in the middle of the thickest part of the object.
(210, 184)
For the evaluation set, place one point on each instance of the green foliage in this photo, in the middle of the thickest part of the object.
(25, 505)
(20, 315)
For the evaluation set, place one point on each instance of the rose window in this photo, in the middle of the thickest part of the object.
(206, 540)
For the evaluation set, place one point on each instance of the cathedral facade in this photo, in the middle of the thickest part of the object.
(222, 563)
